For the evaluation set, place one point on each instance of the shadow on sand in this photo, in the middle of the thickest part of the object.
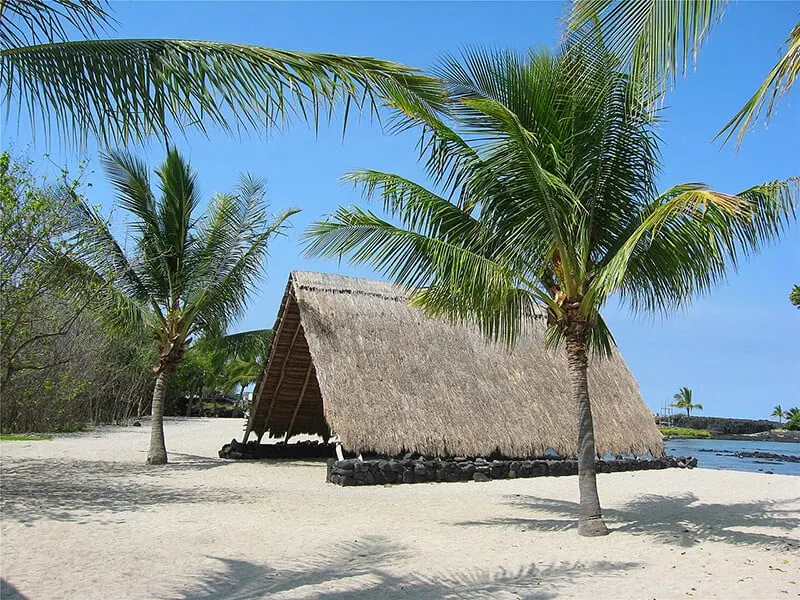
(77, 490)
(9, 592)
(677, 520)
(368, 569)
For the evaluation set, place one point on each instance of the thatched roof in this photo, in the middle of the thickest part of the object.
(350, 356)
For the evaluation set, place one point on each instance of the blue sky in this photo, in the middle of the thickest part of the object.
(737, 348)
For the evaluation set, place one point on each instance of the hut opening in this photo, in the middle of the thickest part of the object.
(350, 357)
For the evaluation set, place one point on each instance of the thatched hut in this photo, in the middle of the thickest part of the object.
(352, 358)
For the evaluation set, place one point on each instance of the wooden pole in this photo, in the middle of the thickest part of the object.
(283, 372)
(300, 399)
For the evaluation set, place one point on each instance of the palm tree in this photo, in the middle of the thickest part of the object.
(794, 296)
(247, 354)
(187, 274)
(778, 412)
(123, 90)
(792, 414)
(683, 399)
(544, 193)
(660, 39)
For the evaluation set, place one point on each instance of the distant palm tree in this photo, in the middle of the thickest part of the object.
(121, 90)
(794, 296)
(545, 195)
(660, 39)
(683, 399)
(792, 414)
(778, 412)
(187, 274)
(248, 354)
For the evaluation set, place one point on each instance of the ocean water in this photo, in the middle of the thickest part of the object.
(718, 454)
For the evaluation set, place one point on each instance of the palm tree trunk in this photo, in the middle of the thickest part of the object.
(157, 455)
(590, 521)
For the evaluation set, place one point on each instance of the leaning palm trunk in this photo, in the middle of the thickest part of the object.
(157, 455)
(590, 521)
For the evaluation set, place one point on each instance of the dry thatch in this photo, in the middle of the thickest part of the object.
(350, 356)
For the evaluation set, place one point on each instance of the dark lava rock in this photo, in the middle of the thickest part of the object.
(480, 477)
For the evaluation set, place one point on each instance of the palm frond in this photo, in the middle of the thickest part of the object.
(779, 81)
(687, 240)
(123, 90)
(230, 278)
(29, 22)
(657, 40)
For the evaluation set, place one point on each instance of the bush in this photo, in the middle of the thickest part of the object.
(685, 432)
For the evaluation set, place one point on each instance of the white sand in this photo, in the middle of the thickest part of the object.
(82, 517)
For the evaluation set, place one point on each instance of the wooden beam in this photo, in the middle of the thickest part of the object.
(258, 390)
(300, 399)
(283, 373)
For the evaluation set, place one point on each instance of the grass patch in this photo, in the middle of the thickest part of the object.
(685, 432)
(24, 438)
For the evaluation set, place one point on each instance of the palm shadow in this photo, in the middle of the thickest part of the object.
(368, 568)
(677, 520)
(9, 592)
(85, 490)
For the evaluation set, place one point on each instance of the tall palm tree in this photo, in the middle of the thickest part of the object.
(544, 192)
(121, 90)
(187, 273)
(683, 400)
(778, 412)
(659, 39)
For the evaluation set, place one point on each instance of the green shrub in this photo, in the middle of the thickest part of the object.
(685, 432)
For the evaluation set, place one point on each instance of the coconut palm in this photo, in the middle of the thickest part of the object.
(779, 413)
(661, 38)
(683, 400)
(544, 193)
(794, 296)
(187, 273)
(119, 90)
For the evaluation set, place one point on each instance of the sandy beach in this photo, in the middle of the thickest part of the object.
(83, 517)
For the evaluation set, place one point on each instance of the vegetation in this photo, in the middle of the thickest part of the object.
(685, 432)
(25, 438)
(216, 365)
(186, 275)
(683, 400)
(792, 419)
(794, 296)
(545, 170)
(658, 40)
(124, 90)
(60, 369)
(778, 412)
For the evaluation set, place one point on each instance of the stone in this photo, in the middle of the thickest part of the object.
(408, 476)
(480, 477)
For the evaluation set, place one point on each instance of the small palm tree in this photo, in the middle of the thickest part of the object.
(794, 296)
(248, 354)
(545, 195)
(683, 400)
(779, 413)
(660, 39)
(121, 90)
(187, 273)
